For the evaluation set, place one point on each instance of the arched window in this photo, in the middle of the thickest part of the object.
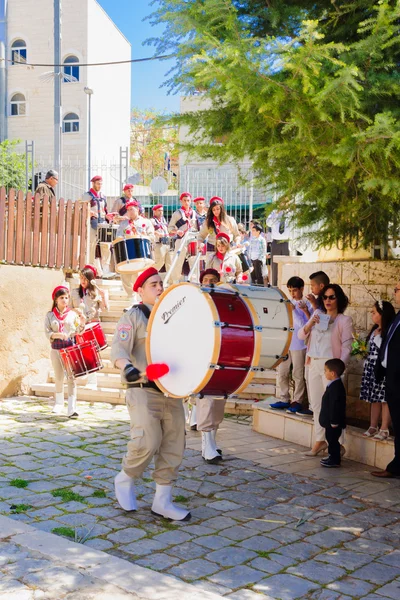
(18, 52)
(71, 70)
(18, 105)
(71, 123)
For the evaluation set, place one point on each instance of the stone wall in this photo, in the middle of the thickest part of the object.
(363, 282)
(25, 298)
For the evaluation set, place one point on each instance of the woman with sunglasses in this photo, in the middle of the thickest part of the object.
(328, 334)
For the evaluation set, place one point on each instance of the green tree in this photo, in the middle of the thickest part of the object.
(12, 166)
(150, 142)
(314, 105)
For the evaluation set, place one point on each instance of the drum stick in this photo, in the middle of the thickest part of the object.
(197, 259)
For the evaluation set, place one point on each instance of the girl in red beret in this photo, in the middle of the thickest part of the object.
(225, 261)
(61, 325)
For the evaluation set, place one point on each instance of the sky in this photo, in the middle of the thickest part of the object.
(147, 77)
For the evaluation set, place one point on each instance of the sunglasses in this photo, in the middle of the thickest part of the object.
(396, 289)
(331, 297)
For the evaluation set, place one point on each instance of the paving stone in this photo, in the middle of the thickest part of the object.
(99, 544)
(213, 542)
(300, 550)
(368, 546)
(392, 559)
(379, 534)
(352, 587)
(172, 537)
(126, 536)
(73, 506)
(260, 543)
(194, 569)
(266, 565)
(143, 547)
(158, 562)
(195, 530)
(188, 550)
(316, 571)
(231, 556)
(26, 565)
(324, 594)
(345, 558)
(391, 590)
(207, 586)
(376, 572)
(286, 535)
(75, 520)
(237, 533)
(330, 538)
(246, 595)
(46, 513)
(285, 587)
(219, 523)
(237, 577)
(224, 505)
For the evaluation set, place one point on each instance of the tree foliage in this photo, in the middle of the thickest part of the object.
(150, 142)
(12, 166)
(309, 92)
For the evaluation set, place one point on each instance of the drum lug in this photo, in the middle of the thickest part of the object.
(219, 324)
(258, 328)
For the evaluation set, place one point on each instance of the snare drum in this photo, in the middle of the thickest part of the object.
(233, 336)
(132, 254)
(93, 332)
(81, 359)
(106, 233)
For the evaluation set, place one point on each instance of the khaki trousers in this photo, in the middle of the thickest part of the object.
(162, 256)
(105, 249)
(177, 271)
(59, 374)
(157, 430)
(209, 413)
(127, 280)
(296, 358)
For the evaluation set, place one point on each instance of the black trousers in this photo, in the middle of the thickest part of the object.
(278, 248)
(332, 435)
(394, 409)
(256, 274)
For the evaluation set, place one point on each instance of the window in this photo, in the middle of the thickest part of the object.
(71, 70)
(18, 52)
(18, 105)
(71, 123)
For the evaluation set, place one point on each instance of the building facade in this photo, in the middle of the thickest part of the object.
(88, 36)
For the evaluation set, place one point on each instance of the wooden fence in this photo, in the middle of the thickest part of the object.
(42, 233)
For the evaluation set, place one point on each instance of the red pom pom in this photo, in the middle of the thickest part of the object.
(228, 269)
(156, 371)
(128, 231)
(143, 224)
(244, 278)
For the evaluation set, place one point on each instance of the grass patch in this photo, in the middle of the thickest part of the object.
(17, 509)
(99, 494)
(263, 553)
(83, 447)
(19, 483)
(139, 496)
(167, 524)
(181, 499)
(147, 479)
(68, 495)
(64, 531)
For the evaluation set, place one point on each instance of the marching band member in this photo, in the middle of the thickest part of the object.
(162, 255)
(61, 324)
(201, 210)
(119, 205)
(98, 214)
(89, 300)
(181, 221)
(217, 221)
(133, 224)
(157, 422)
(224, 261)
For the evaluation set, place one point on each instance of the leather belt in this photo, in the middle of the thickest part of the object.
(149, 384)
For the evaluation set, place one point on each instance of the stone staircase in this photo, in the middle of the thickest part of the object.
(109, 387)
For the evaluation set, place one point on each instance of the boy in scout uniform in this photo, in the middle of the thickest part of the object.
(157, 422)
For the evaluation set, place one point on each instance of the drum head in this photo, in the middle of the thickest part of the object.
(133, 266)
(181, 333)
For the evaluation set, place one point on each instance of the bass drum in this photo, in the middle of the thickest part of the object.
(275, 317)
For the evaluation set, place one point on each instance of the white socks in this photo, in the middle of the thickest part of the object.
(59, 403)
(125, 491)
(164, 507)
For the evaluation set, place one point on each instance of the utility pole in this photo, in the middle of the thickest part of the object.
(57, 91)
(3, 70)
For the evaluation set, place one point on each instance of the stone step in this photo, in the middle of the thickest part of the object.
(257, 391)
(104, 380)
(110, 395)
(119, 305)
(109, 326)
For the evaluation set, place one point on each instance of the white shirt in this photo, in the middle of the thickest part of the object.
(320, 343)
(275, 220)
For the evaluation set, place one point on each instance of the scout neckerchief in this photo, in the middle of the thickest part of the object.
(61, 316)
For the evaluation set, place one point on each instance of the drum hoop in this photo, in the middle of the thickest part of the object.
(217, 344)
(130, 237)
(132, 261)
(257, 344)
(289, 340)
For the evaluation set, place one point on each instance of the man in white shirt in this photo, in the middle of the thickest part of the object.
(280, 235)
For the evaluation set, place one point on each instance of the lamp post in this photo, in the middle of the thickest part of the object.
(89, 92)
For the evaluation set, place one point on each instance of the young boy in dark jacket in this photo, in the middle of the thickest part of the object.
(333, 410)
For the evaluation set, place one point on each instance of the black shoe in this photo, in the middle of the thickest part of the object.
(213, 461)
(73, 416)
(329, 463)
(193, 427)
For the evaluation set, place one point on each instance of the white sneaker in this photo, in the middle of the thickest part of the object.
(125, 491)
(164, 507)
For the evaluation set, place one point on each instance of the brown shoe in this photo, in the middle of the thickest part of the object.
(385, 474)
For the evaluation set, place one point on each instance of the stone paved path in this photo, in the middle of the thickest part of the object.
(266, 523)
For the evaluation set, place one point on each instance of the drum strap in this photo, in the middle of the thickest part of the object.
(145, 310)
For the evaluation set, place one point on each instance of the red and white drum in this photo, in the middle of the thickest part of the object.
(193, 249)
(93, 332)
(81, 359)
(212, 338)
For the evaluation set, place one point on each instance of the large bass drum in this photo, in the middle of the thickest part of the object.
(212, 338)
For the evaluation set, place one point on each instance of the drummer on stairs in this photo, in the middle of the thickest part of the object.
(181, 221)
(162, 254)
(133, 224)
(98, 214)
(224, 260)
(157, 422)
(119, 205)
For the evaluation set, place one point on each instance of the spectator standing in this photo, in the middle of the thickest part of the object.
(333, 410)
(47, 187)
(257, 250)
(373, 391)
(280, 237)
(297, 352)
(318, 281)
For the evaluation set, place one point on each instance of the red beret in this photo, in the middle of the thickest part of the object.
(92, 269)
(157, 206)
(216, 200)
(199, 199)
(132, 203)
(224, 236)
(185, 194)
(209, 272)
(143, 277)
(57, 289)
(96, 178)
(128, 186)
